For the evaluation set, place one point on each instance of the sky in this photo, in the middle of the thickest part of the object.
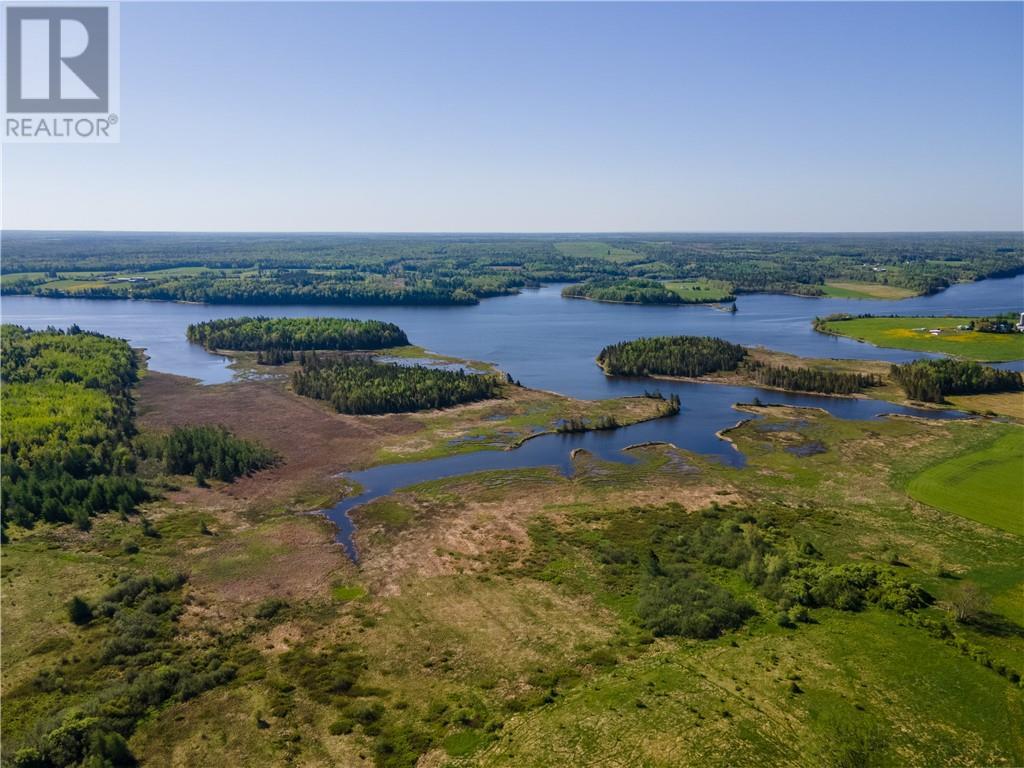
(538, 117)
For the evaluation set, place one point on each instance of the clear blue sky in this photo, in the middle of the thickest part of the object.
(548, 117)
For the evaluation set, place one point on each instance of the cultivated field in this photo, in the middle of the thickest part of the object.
(986, 485)
(856, 290)
(914, 333)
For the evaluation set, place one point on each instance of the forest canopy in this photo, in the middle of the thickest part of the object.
(462, 269)
(931, 380)
(358, 385)
(293, 334)
(671, 356)
(632, 291)
(67, 420)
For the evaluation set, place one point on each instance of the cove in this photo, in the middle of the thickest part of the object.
(706, 410)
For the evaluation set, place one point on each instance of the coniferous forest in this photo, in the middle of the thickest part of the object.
(357, 385)
(671, 356)
(931, 380)
(295, 333)
(212, 451)
(809, 379)
(67, 423)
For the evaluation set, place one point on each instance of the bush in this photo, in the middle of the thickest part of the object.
(270, 607)
(688, 606)
(79, 611)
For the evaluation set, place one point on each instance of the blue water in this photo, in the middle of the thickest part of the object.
(543, 340)
(706, 410)
(547, 342)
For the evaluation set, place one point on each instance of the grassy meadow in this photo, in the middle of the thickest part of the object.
(986, 485)
(702, 290)
(913, 333)
(851, 289)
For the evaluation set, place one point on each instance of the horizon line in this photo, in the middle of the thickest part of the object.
(521, 233)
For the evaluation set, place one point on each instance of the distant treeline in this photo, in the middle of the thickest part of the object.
(67, 421)
(635, 291)
(293, 334)
(931, 380)
(809, 379)
(632, 291)
(287, 287)
(461, 269)
(212, 451)
(671, 356)
(357, 385)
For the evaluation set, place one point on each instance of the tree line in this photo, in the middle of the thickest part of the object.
(809, 379)
(357, 385)
(631, 291)
(671, 356)
(67, 424)
(294, 334)
(931, 380)
(461, 269)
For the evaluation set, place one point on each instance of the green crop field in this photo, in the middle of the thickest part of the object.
(986, 485)
(857, 290)
(914, 333)
(702, 290)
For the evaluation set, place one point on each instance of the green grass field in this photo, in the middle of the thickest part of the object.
(702, 290)
(913, 333)
(851, 289)
(986, 485)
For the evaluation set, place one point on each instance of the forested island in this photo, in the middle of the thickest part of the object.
(292, 334)
(698, 356)
(462, 269)
(358, 385)
(671, 356)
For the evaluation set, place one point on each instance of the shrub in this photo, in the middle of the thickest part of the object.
(688, 606)
(79, 611)
(270, 607)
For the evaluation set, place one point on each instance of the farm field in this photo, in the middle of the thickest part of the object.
(858, 290)
(986, 485)
(702, 290)
(597, 250)
(913, 333)
(1001, 403)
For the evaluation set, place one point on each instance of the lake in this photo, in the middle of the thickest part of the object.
(550, 343)
(543, 340)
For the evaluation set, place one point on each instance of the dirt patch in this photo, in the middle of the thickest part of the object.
(290, 558)
(456, 539)
(314, 443)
